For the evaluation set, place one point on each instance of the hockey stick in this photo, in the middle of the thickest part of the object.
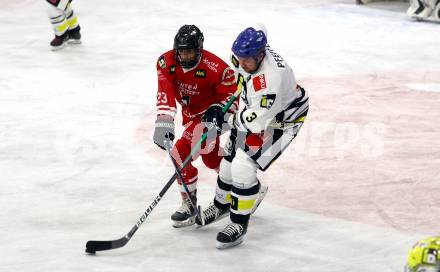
(93, 246)
(179, 175)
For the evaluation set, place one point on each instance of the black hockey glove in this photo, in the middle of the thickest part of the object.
(164, 130)
(214, 117)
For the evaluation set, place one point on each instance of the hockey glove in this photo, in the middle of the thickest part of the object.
(214, 118)
(164, 130)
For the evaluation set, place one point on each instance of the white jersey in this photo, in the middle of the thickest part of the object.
(272, 97)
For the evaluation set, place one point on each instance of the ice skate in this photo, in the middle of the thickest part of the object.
(74, 35)
(210, 215)
(59, 42)
(232, 235)
(185, 215)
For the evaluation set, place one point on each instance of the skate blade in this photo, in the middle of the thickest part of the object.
(74, 42)
(182, 224)
(221, 245)
(57, 48)
(426, 19)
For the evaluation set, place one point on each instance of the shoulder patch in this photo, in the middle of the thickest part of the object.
(172, 69)
(200, 73)
(161, 62)
(259, 82)
(267, 100)
(228, 77)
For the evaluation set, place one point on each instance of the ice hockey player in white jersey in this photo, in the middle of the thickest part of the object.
(424, 10)
(64, 22)
(275, 107)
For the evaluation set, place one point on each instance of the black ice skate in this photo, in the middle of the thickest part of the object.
(74, 35)
(210, 215)
(231, 235)
(185, 215)
(59, 42)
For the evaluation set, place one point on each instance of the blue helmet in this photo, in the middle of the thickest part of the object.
(249, 43)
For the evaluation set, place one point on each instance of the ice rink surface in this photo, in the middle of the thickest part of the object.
(77, 162)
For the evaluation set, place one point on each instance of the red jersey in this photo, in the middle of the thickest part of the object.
(211, 81)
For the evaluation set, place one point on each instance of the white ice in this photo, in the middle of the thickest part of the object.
(77, 160)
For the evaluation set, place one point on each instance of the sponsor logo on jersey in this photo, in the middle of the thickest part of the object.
(267, 100)
(200, 73)
(161, 62)
(172, 69)
(259, 82)
(211, 65)
(186, 88)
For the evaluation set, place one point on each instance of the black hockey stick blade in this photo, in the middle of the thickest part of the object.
(93, 246)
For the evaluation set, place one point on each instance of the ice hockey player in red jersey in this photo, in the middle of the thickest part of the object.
(64, 22)
(201, 83)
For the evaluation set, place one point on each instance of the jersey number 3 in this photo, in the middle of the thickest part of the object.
(251, 117)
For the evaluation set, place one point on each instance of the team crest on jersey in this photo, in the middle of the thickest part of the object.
(161, 62)
(201, 73)
(267, 100)
(259, 83)
(172, 69)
